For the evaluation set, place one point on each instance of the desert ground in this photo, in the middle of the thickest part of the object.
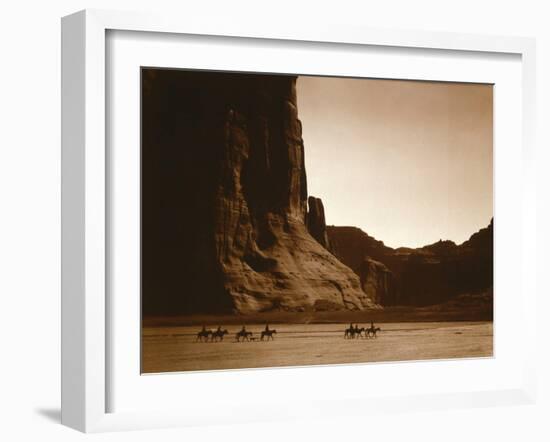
(175, 348)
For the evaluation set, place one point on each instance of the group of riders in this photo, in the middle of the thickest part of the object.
(242, 335)
(353, 331)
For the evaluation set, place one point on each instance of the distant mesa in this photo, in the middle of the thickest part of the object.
(428, 275)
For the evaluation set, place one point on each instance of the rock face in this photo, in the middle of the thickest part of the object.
(429, 275)
(224, 202)
(316, 223)
(378, 282)
(352, 245)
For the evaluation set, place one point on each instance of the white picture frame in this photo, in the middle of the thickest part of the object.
(86, 353)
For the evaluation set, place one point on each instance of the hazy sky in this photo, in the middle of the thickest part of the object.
(408, 162)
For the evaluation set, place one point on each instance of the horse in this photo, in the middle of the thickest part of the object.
(204, 334)
(359, 331)
(246, 335)
(372, 331)
(218, 334)
(349, 333)
(268, 333)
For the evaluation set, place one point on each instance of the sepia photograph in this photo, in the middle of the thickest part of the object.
(295, 220)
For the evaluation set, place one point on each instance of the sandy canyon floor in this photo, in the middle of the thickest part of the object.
(169, 349)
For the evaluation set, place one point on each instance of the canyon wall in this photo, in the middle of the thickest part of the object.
(428, 275)
(224, 201)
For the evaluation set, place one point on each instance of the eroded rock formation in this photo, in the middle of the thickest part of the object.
(225, 200)
(316, 223)
(378, 282)
(428, 275)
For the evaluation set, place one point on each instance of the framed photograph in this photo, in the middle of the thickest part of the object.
(299, 219)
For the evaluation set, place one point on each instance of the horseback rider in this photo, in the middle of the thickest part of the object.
(243, 330)
(203, 333)
(267, 327)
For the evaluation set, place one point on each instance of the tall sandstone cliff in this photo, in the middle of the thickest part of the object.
(224, 203)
